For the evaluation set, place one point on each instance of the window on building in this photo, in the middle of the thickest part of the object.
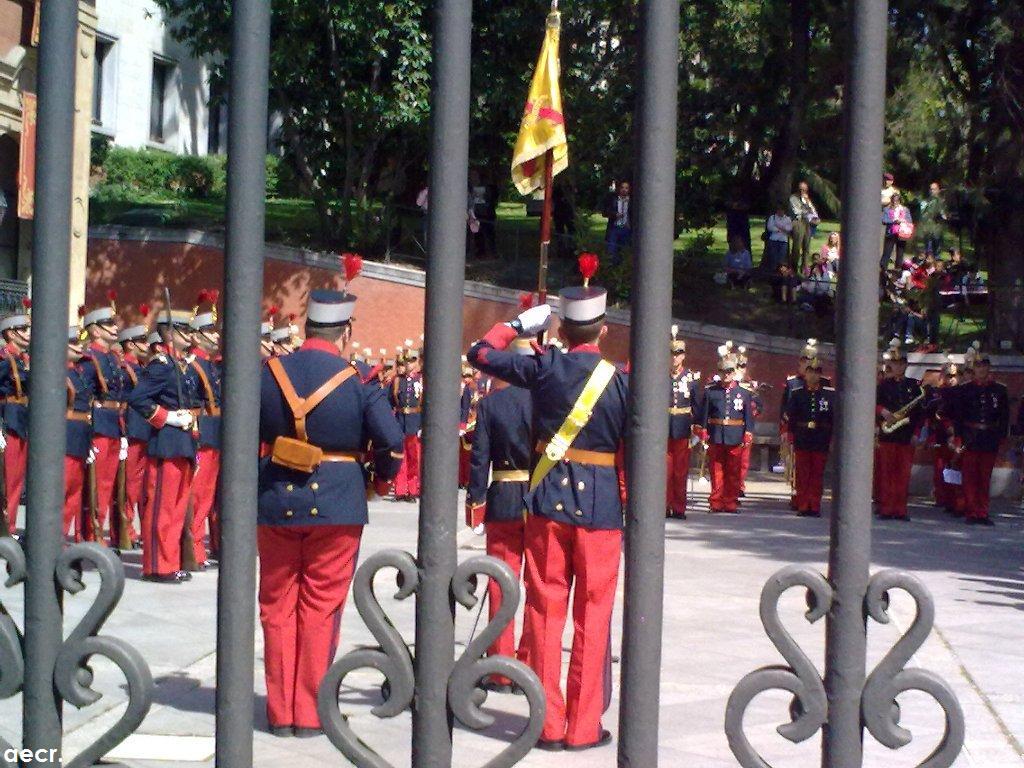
(162, 75)
(101, 78)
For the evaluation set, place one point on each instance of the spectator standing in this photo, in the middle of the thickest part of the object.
(739, 264)
(933, 219)
(805, 216)
(777, 230)
(898, 229)
(618, 209)
(888, 188)
(737, 221)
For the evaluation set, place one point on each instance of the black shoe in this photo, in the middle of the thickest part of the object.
(162, 578)
(551, 746)
(136, 545)
(984, 521)
(971, 521)
(493, 686)
(606, 738)
(743, 494)
(184, 576)
(308, 733)
(808, 513)
(282, 731)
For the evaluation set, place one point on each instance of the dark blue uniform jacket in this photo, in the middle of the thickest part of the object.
(982, 415)
(81, 385)
(587, 495)
(811, 417)
(111, 385)
(348, 418)
(502, 439)
(15, 415)
(687, 392)
(407, 395)
(209, 419)
(136, 427)
(727, 401)
(894, 394)
(156, 394)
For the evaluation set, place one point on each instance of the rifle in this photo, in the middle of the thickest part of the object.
(188, 557)
(124, 539)
(94, 506)
(5, 527)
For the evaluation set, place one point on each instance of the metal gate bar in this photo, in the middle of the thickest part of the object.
(243, 282)
(446, 262)
(648, 403)
(45, 475)
(850, 543)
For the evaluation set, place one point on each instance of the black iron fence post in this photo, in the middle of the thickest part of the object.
(857, 351)
(446, 263)
(651, 317)
(243, 282)
(50, 271)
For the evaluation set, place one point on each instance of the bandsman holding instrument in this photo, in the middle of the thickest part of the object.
(684, 410)
(727, 422)
(938, 409)
(810, 413)
(899, 408)
(407, 400)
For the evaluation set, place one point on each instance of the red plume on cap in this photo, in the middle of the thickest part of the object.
(81, 310)
(111, 295)
(26, 302)
(588, 263)
(291, 317)
(213, 295)
(353, 265)
(272, 312)
(525, 300)
(203, 297)
(144, 310)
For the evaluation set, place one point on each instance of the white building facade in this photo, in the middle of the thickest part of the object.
(148, 90)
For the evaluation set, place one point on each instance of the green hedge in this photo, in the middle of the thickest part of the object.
(154, 173)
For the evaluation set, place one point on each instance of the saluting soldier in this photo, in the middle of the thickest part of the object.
(810, 413)
(575, 501)
(317, 415)
(407, 400)
(136, 429)
(14, 373)
(165, 396)
(108, 440)
(899, 401)
(206, 364)
(938, 413)
(502, 449)
(684, 410)
(78, 452)
(981, 418)
(727, 422)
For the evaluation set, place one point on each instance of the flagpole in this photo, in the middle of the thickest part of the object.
(545, 225)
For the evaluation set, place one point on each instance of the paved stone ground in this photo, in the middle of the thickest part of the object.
(716, 566)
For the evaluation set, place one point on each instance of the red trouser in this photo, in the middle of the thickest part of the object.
(810, 479)
(15, 461)
(894, 463)
(74, 482)
(407, 483)
(678, 458)
(977, 476)
(464, 454)
(726, 462)
(168, 485)
(106, 462)
(951, 497)
(875, 474)
(305, 573)
(556, 555)
(135, 483)
(505, 542)
(745, 466)
(204, 494)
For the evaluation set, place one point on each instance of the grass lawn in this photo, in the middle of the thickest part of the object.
(698, 255)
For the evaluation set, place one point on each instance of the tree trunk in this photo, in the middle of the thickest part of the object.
(786, 150)
(1001, 244)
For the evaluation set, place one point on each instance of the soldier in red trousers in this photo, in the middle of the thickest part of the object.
(684, 409)
(206, 364)
(137, 430)
(727, 422)
(407, 400)
(981, 418)
(899, 408)
(810, 413)
(14, 371)
(79, 452)
(940, 433)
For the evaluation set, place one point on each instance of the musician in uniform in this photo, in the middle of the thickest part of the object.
(754, 388)
(165, 396)
(467, 420)
(727, 424)
(205, 362)
(810, 413)
(79, 452)
(899, 400)
(575, 502)
(14, 372)
(684, 409)
(981, 419)
(317, 415)
(407, 400)
(808, 353)
(137, 430)
(111, 383)
(937, 409)
(502, 450)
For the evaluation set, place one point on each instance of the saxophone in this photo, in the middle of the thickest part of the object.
(899, 419)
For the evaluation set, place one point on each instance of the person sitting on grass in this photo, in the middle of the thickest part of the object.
(785, 283)
(738, 264)
(818, 289)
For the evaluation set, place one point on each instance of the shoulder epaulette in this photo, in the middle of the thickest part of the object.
(829, 389)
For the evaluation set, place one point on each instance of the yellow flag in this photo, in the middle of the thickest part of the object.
(543, 125)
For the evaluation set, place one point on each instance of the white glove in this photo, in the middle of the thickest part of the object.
(3, 441)
(535, 319)
(181, 419)
(93, 453)
(123, 453)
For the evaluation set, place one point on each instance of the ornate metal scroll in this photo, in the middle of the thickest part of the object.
(73, 676)
(464, 696)
(810, 705)
(12, 659)
(890, 678)
(392, 659)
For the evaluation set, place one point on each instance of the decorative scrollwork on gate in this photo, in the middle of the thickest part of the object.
(465, 697)
(809, 707)
(12, 658)
(879, 708)
(73, 676)
(392, 659)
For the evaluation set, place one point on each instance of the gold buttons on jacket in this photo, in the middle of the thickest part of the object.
(315, 487)
(579, 513)
(565, 481)
(288, 513)
(289, 487)
(580, 485)
(559, 507)
(314, 511)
